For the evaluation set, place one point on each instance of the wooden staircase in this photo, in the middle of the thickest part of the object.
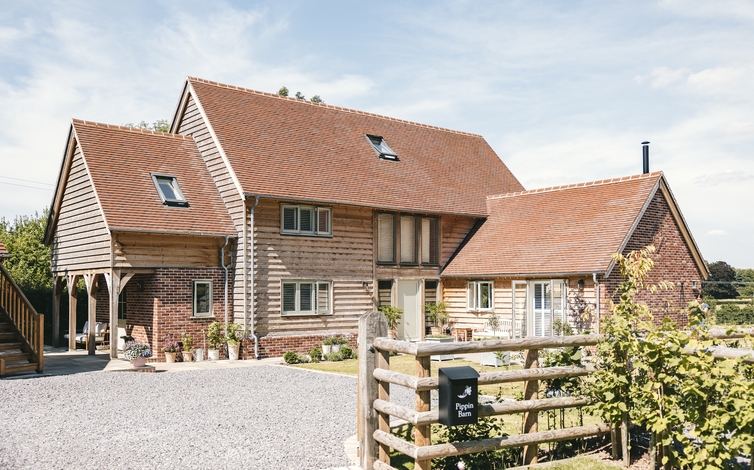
(21, 330)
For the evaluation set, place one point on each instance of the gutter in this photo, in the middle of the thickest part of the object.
(251, 280)
(225, 268)
(597, 298)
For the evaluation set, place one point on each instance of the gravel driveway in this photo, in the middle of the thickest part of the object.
(250, 417)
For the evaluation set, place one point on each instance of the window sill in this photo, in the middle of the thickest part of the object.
(284, 315)
(308, 235)
(202, 317)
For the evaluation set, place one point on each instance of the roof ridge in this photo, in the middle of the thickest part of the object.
(577, 185)
(330, 106)
(129, 129)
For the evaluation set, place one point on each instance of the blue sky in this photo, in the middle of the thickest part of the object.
(563, 91)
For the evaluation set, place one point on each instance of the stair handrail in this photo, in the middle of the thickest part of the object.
(28, 323)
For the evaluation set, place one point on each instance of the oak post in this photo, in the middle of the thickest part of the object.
(615, 441)
(41, 343)
(114, 294)
(57, 287)
(91, 287)
(531, 418)
(423, 402)
(624, 440)
(73, 292)
(371, 325)
(383, 362)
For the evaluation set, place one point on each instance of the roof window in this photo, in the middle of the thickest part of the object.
(167, 188)
(379, 144)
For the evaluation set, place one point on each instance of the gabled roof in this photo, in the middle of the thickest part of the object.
(3, 252)
(120, 161)
(563, 230)
(289, 148)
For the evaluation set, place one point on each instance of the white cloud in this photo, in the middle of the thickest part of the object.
(729, 80)
(717, 233)
(738, 9)
(663, 76)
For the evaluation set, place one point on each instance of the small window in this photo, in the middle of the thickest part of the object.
(306, 298)
(167, 188)
(429, 241)
(384, 292)
(386, 238)
(379, 145)
(480, 296)
(202, 298)
(408, 239)
(306, 220)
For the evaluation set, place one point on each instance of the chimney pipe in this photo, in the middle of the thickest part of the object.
(645, 151)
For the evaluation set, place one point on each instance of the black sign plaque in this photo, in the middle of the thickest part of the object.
(459, 390)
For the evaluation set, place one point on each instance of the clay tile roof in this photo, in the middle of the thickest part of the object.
(3, 252)
(290, 148)
(559, 230)
(121, 160)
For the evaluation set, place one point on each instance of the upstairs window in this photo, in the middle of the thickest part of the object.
(386, 238)
(480, 296)
(306, 297)
(382, 148)
(167, 188)
(417, 243)
(306, 220)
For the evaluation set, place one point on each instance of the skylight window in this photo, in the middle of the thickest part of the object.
(167, 188)
(379, 144)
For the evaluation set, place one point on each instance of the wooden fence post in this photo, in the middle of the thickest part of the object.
(371, 325)
(531, 418)
(423, 402)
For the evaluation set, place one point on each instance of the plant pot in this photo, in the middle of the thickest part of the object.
(492, 359)
(199, 353)
(187, 356)
(335, 348)
(441, 357)
(140, 361)
(170, 357)
(233, 351)
(326, 349)
(213, 354)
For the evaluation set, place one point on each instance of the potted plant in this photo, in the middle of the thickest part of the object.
(137, 353)
(392, 315)
(327, 345)
(215, 338)
(441, 338)
(337, 343)
(439, 315)
(188, 346)
(170, 348)
(233, 340)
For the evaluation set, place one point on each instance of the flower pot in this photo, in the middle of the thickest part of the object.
(492, 359)
(170, 357)
(199, 353)
(213, 354)
(436, 330)
(441, 357)
(335, 348)
(187, 356)
(140, 361)
(233, 351)
(326, 349)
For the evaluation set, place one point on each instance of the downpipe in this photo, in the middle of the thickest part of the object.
(597, 298)
(251, 281)
(225, 268)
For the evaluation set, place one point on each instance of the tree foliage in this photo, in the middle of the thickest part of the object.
(283, 91)
(29, 262)
(160, 125)
(720, 271)
(746, 276)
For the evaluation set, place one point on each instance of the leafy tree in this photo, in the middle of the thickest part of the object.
(745, 275)
(300, 96)
(316, 99)
(160, 125)
(720, 271)
(283, 91)
(29, 262)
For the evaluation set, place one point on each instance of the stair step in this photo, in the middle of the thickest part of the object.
(10, 335)
(15, 356)
(6, 346)
(20, 367)
(4, 325)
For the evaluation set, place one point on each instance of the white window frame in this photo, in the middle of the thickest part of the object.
(178, 200)
(474, 296)
(315, 311)
(316, 210)
(194, 313)
(543, 312)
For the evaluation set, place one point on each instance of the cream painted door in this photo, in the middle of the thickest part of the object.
(409, 300)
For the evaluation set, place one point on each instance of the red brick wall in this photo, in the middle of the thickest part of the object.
(276, 346)
(673, 262)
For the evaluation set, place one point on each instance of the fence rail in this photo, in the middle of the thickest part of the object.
(28, 323)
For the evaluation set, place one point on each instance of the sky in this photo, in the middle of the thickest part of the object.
(564, 92)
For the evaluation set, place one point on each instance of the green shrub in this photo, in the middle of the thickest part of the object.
(290, 357)
(333, 357)
(315, 354)
(732, 314)
(346, 352)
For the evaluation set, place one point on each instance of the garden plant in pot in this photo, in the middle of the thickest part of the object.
(137, 353)
(233, 340)
(327, 344)
(170, 348)
(392, 315)
(438, 314)
(215, 338)
(188, 346)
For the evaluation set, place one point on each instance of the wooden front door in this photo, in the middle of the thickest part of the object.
(409, 300)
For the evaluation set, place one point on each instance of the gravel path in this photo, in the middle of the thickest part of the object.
(249, 417)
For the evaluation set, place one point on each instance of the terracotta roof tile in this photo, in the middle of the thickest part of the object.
(292, 148)
(121, 160)
(563, 229)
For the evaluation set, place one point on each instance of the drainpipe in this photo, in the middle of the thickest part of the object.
(251, 281)
(225, 268)
(599, 300)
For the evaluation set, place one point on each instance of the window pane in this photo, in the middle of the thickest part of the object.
(472, 295)
(484, 301)
(202, 298)
(433, 241)
(323, 298)
(323, 220)
(305, 291)
(408, 239)
(384, 292)
(537, 296)
(166, 186)
(307, 219)
(385, 242)
(289, 297)
(290, 218)
(425, 240)
(547, 296)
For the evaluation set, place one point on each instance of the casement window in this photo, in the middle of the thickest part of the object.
(418, 240)
(480, 295)
(306, 297)
(306, 220)
(202, 299)
(547, 304)
(167, 188)
(382, 148)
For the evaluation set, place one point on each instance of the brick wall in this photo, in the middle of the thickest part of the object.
(276, 346)
(673, 262)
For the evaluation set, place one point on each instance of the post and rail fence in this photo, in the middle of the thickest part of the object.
(376, 409)
(28, 324)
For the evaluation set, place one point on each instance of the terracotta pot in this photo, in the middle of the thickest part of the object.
(170, 357)
(140, 361)
(187, 356)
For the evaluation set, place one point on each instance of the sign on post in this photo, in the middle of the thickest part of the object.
(459, 389)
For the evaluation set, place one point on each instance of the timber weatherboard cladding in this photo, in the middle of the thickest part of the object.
(81, 240)
(138, 250)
